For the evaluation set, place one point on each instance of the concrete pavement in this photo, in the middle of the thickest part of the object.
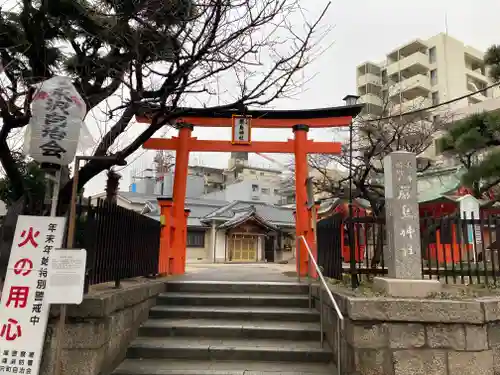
(251, 272)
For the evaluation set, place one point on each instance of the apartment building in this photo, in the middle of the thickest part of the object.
(423, 73)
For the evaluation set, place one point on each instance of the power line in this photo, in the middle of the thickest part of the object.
(436, 105)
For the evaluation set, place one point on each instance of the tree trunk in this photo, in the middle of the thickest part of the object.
(112, 186)
(7, 233)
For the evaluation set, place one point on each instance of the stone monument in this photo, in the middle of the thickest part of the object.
(402, 255)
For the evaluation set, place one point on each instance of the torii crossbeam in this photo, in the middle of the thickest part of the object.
(174, 215)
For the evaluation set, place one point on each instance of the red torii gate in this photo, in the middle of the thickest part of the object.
(174, 215)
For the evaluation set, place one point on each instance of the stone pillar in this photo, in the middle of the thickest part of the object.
(402, 255)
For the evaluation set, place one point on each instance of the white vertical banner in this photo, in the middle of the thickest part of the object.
(469, 207)
(24, 310)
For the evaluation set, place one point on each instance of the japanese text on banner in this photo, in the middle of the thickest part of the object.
(24, 311)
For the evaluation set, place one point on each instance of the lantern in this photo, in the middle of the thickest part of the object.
(57, 114)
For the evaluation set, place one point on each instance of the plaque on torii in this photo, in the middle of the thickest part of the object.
(241, 130)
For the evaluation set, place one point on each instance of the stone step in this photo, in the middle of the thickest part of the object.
(187, 367)
(235, 313)
(237, 287)
(233, 299)
(296, 331)
(228, 349)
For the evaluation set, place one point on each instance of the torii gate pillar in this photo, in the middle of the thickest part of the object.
(179, 195)
(303, 225)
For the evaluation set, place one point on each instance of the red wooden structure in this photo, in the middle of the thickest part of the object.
(173, 237)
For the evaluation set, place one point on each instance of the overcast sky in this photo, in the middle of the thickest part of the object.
(364, 30)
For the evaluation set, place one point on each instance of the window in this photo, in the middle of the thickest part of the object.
(437, 147)
(384, 77)
(262, 173)
(276, 192)
(195, 238)
(434, 77)
(252, 172)
(266, 191)
(255, 188)
(435, 98)
(432, 55)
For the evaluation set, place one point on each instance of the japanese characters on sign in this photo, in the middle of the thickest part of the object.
(54, 129)
(403, 231)
(407, 213)
(241, 130)
(67, 276)
(24, 310)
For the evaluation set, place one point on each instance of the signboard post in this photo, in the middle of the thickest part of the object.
(241, 130)
(25, 309)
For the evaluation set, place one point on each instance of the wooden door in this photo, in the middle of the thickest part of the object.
(243, 248)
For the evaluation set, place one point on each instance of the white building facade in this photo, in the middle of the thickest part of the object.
(423, 73)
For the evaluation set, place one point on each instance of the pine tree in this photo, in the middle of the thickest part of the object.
(473, 141)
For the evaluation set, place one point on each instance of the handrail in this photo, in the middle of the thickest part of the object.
(320, 274)
(340, 321)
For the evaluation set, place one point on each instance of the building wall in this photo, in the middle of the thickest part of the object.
(220, 246)
(195, 185)
(248, 190)
(432, 152)
(200, 253)
(450, 65)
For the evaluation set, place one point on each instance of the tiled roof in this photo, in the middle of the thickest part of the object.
(273, 214)
(136, 197)
(191, 222)
(199, 207)
(241, 217)
(204, 210)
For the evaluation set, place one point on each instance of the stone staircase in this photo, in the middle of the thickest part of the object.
(229, 328)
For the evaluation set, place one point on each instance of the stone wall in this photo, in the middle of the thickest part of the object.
(391, 336)
(99, 330)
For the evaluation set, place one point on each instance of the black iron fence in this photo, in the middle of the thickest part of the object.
(454, 250)
(120, 243)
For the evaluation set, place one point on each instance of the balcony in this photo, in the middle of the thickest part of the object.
(369, 79)
(417, 63)
(477, 98)
(477, 75)
(412, 105)
(412, 88)
(372, 99)
(475, 87)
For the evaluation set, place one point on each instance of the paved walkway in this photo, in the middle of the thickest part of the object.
(240, 272)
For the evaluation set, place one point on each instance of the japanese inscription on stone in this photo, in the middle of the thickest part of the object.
(402, 253)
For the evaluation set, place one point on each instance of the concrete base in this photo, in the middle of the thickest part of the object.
(407, 288)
